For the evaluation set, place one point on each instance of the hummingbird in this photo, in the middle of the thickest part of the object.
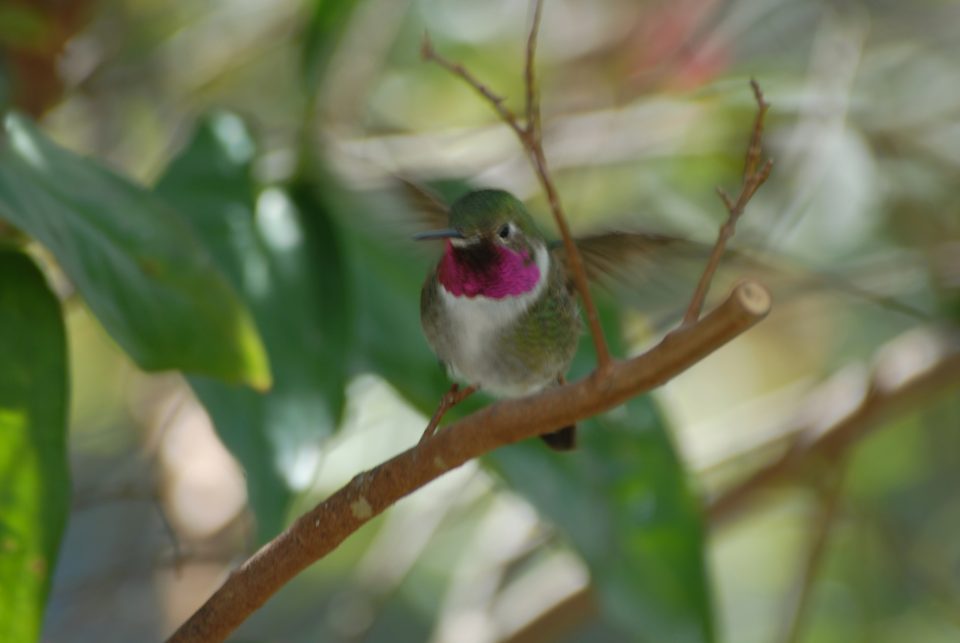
(499, 309)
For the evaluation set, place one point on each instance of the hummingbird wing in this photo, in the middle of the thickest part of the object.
(647, 271)
(656, 273)
(430, 211)
(636, 260)
(628, 255)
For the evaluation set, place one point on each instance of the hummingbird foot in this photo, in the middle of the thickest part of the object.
(449, 400)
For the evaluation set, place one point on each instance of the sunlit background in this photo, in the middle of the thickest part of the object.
(647, 108)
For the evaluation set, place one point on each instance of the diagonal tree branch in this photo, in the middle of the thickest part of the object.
(885, 396)
(798, 602)
(322, 529)
(427, 52)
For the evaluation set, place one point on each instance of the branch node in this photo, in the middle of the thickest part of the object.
(752, 180)
(727, 201)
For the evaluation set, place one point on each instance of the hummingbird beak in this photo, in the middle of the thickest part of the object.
(447, 233)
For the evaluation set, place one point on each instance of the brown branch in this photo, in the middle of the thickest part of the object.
(322, 529)
(753, 178)
(799, 600)
(753, 150)
(530, 138)
(575, 262)
(886, 396)
(558, 619)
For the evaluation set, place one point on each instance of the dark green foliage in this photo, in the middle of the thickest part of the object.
(34, 480)
(134, 259)
(285, 261)
(623, 502)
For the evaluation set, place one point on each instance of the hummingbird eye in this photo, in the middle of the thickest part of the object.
(504, 231)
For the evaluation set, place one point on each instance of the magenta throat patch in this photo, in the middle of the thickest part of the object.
(502, 273)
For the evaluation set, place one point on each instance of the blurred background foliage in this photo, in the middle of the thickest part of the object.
(240, 211)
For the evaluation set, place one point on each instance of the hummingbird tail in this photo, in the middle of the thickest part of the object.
(564, 439)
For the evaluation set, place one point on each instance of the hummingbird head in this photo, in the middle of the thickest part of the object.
(493, 248)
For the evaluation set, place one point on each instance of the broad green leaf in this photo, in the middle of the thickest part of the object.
(133, 258)
(282, 254)
(34, 480)
(623, 501)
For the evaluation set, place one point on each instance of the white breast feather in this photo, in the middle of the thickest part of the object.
(478, 319)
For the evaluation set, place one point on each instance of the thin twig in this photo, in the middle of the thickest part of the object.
(427, 52)
(533, 103)
(753, 150)
(799, 600)
(575, 261)
(322, 529)
(530, 138)
(753, 178)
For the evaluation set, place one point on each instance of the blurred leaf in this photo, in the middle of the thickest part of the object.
(23, 27)
(624, 502)
(325, 23)
(135, 261)
(391, 340)
(33, 36)
(34, 481)
(285, 261)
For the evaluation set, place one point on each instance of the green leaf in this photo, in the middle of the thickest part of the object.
(34, 480)
(135, 261)
(623, 501)
(283, 256)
